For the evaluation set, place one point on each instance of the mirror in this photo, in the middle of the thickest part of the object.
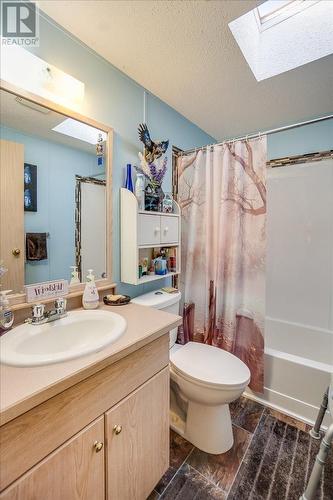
(54, 177)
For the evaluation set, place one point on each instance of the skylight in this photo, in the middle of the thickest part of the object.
(273, 12)
(280, 35)
(79, 130)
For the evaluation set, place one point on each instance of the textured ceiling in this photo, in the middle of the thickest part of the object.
(184, 52)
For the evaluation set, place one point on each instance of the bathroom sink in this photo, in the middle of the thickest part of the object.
(77, 334)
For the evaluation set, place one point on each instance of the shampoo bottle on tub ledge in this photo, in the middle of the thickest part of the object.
(90, 298)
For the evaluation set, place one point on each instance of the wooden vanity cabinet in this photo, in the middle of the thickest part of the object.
(137, 437)
(104, 438)
(75, 471)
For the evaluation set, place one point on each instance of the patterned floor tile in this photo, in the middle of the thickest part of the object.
(188, 484)
(221, 469)
(278, 463)
(246, 413)
(153, 495)
(179, 451)
(302, 426)
(271, 459)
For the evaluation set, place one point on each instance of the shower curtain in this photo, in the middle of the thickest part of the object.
(222, 195)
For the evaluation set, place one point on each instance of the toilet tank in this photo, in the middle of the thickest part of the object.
(168, 302)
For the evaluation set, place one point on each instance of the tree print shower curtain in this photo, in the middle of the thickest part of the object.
(222, 195)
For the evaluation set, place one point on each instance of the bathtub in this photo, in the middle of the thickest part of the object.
(298, 367)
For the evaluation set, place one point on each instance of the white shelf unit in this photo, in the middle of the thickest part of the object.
(141, 231)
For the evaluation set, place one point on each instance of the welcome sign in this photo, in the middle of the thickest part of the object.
(46, 290)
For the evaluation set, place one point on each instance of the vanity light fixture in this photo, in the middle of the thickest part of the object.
(79, 130)
(32, 105)
(23, 69)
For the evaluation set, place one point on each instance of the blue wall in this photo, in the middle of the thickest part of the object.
(114, 99)
(301, 140)
(57, 166)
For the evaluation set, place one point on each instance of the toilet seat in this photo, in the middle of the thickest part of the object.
(209, 366)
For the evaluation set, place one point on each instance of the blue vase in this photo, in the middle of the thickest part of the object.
(128, 182)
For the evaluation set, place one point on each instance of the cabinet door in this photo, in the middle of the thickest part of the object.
(149, 229)
(137, 435)
(74, 471)
(169, 229)
(12, 214)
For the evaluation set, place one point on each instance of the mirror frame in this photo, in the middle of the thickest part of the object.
(19, 299)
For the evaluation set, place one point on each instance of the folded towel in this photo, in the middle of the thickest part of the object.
(36, 246)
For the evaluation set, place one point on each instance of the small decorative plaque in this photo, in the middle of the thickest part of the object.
(47, 290)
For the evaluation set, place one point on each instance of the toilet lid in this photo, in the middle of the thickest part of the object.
(210, 365)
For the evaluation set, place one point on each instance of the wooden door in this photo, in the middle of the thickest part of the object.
(149, 229)
(169, 229)
(138, 455)
(12, 214)
(75, 471)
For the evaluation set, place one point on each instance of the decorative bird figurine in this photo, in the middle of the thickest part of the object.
(153, 150)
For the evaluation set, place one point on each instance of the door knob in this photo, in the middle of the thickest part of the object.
(98, 445)
(117, 429)
(16, 252)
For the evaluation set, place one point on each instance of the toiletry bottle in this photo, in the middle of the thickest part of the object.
(151, 270)
(140, 191)
(6, 315)
(128, 182)
(90, 298)
(75, 280)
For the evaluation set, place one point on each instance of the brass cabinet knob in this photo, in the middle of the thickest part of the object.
(16, 252)
(98, 445)
(117, 429)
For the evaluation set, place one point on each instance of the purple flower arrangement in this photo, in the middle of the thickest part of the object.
(153, 172)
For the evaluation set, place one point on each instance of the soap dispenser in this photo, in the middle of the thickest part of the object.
(90, 298)
(75, 280)
(6, 314)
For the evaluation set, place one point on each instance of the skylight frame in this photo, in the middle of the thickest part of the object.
(280, 13)
(289, 44)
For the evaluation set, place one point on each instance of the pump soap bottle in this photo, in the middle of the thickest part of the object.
(90, 298)
(75, 280)
(6, 314)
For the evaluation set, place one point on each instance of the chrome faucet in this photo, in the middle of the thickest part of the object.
(40, 316)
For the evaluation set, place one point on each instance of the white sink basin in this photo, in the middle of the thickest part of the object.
(78, 334)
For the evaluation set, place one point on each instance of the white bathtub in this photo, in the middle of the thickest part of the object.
(299, 287)
(298, 364)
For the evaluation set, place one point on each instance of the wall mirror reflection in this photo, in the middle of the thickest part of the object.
(53, 203)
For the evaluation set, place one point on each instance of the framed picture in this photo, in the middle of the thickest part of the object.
(30, 187)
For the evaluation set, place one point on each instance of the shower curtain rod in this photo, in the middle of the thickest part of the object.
(259, 134)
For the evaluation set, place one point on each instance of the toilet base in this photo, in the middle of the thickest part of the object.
(206, 427)
(209, 428)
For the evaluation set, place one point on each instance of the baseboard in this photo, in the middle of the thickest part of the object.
(290, 406)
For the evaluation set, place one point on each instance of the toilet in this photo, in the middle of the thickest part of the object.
(204, 380)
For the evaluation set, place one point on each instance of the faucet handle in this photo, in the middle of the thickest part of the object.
(60, 305)
(37, 311)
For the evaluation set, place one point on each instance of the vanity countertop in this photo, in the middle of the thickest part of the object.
(23, 388)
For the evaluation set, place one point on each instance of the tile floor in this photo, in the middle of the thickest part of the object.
(271, 459)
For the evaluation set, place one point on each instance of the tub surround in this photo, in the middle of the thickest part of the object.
(24, 388)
